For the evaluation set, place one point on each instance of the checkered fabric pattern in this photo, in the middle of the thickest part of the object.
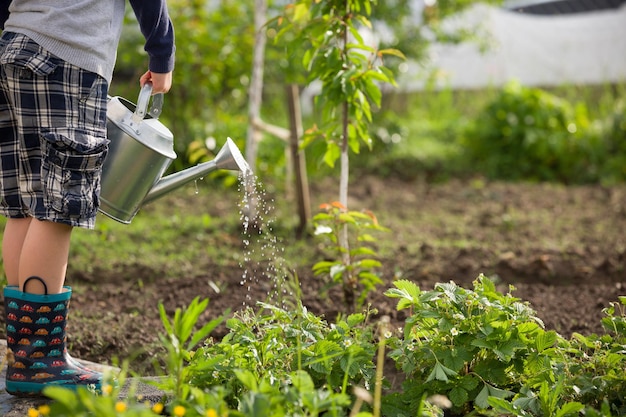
(52, 135)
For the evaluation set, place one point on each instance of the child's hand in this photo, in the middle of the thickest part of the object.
(161, 83)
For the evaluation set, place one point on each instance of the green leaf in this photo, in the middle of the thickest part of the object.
(247, 378)
(364, 20)
(254, 404)
(373, 91)
(489, 287)
(571, 408)
(456, 358)
(469, 382)
(545, 340)
(440, 373)
(502, 405)
(482, 399)
(362, 251)
(302, 381)
(204, 331)
(406, 289)
(391, 51)
(369, 278)
(333, 152)
(355, 319)
(507, 349)
(458, 396)
(377, 75)
(165, 320)
(482, 343)
(337, 270)
(369, 263)
(322, 267)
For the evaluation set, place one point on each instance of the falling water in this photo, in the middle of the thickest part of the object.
(263, 262)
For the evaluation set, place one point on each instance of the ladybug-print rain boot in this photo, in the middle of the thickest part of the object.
(36, 342)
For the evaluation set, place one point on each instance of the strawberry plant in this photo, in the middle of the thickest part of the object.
(268, 351)
(467, 345)
(479, 350)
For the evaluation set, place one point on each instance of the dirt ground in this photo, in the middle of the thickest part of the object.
(563, 249)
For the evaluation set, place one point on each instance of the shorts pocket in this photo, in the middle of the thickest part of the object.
(70, 174)
(23, 54)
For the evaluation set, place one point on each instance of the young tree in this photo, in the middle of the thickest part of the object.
(350, 72)
(348, 69)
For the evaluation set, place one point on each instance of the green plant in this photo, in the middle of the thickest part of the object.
(528, 133)
(181, 337)
(547, 403)
(595, 364)
(354, 266)
(263, 352)
(347, 67)
(483, 350)
(613, 132)
(615, 320)
(467, 345)
(84, 403)
(585, 373)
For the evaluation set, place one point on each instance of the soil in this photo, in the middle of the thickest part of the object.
(562, 248)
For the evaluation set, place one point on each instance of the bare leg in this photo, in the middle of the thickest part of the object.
(44, 253)
(12, 242)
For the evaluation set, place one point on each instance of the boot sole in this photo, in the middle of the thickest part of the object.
(33, 389)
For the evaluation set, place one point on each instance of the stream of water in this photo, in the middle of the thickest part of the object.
(263, 262)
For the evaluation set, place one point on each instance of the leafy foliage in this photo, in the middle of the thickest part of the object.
(348, 69)
(612, 133)
(480, 350)
(182, 337)
(356, 272)
(282, 350)
(484, 350)
(528, 133)
(465, 344)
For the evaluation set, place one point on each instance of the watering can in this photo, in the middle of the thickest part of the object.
(141, 149)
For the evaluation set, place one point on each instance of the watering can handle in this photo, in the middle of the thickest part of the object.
(142, 104)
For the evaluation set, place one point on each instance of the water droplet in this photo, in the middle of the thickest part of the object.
(262, 261)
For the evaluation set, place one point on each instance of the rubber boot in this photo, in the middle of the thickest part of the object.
(36, 342)
(67, 355)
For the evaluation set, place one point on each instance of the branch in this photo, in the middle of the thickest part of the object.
(279, 132)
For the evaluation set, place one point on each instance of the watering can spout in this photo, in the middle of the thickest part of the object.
(229, 158)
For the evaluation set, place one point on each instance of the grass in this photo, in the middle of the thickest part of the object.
(166, 235)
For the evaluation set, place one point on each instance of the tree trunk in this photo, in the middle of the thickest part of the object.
(298, 159)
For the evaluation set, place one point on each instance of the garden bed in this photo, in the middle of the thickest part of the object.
(562, 248)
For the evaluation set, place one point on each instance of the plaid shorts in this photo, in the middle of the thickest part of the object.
(52, 135)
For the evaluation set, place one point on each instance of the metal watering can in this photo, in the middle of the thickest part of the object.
(140, 150)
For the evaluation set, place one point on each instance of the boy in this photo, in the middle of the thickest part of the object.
(56, 63)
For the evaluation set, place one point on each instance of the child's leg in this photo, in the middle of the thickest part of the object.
(44, 254)
(12, 242)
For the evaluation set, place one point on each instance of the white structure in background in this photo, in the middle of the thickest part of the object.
(537, 50)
